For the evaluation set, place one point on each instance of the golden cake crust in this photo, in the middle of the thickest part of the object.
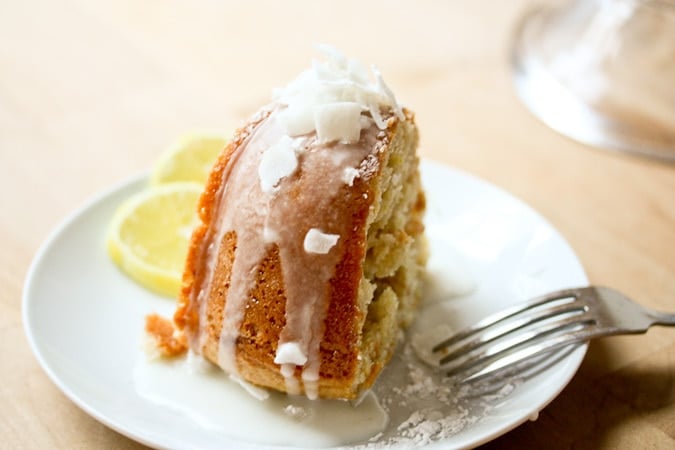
(264, 314)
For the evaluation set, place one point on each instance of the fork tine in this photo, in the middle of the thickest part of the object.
(523, 355)
(504, 315)
(538, 344)
(475, 361)
(516, 322)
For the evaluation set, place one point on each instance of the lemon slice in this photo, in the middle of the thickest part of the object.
(190, 159)
(149, 235)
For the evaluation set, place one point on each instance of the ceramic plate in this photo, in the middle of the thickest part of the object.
(84, 318)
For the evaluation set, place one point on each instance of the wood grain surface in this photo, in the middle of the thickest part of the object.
(91, 92)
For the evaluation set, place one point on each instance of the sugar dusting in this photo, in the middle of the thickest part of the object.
(423, 405)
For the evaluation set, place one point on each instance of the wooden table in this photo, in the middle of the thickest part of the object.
(92, 92)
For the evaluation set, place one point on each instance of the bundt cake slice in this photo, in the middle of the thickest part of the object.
(306, 264)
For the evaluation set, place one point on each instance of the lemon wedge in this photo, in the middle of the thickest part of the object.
(189, 159)
(149, 235)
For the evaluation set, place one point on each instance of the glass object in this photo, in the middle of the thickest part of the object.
(602, 72)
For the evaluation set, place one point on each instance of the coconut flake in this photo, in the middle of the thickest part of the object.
(338, 122)
(334, 55)
(325, 72)
(277, 162)
(318, 242)
(382, 86)
(358, 71)
(349, 174)
(374, 110)
(335, 80)
(297, 119)
(290, 353)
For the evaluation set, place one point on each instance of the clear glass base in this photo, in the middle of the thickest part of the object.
(588, 71)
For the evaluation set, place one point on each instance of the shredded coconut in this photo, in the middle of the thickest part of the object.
(339, 121)
(331, 97)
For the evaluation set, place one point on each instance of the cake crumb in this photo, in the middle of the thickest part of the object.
(168, 341)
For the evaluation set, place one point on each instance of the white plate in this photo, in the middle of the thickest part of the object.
(83, 317)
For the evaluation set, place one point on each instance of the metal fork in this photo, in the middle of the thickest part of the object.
(542, 325)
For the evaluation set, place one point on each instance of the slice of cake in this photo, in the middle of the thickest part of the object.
(306, 264)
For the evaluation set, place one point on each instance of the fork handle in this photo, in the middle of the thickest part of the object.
(661, 318)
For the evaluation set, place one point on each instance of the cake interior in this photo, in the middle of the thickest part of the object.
(390, 287)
